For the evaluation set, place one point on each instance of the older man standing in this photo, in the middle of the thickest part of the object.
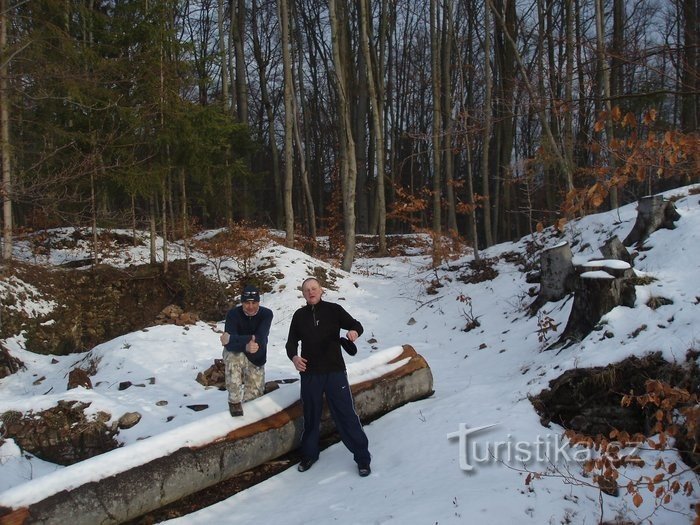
(322, 368)
(245, 349)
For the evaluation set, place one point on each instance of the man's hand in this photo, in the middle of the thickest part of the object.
(225, 338)
(252, 346)
(299, 363)
(352, 335)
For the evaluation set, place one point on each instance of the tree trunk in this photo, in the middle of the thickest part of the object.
(690, 69)
(488, 122)
(185, 220)
(373, 81)
(238, 14)
(448, 111)
(653, 213)
(556, 272)
(604, 89)
(153, 230)
(283, 7)
(348, 163)
(223, 55)
(598, 290)
(5, 150)
(437, 121)
(164, 218)
(614, 249)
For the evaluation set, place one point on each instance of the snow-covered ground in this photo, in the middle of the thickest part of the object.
(481, 378)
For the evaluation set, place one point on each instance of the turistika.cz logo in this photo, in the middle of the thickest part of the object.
(549, 449)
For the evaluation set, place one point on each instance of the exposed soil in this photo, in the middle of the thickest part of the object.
(94, 305)
(588, 400)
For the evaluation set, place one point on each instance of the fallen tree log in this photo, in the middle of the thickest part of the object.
(142, 488)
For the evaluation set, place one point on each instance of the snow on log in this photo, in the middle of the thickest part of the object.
(125, 483)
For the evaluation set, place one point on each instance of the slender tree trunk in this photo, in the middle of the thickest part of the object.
(5, 151)
(488, 119)
(569, 85)
(93, 220)
(604, 86)
(437, 122)
(308, 198)
(164, 218)
(549, 183)
(223, 55)
(283, 7)
(238, 14)
(446, 74)
(690, 69)
(348, 162)
(185, 220)
(153, 229)
(377, 115)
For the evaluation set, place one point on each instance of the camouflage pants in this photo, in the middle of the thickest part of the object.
(244, 380)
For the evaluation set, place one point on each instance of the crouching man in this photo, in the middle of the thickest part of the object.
(245, 349)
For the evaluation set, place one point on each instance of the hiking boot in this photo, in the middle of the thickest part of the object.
(364, 470)
(235, 409)
(305, 464)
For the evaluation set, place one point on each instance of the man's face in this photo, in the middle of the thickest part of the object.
(251, 307)
(312, 291)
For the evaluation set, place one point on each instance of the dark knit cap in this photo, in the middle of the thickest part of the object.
(250, 293)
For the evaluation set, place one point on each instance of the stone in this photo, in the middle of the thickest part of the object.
(129, 420)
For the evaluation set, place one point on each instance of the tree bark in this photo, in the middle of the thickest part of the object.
(348, 162)
(5, 150)
(373, 81)
(598, 290)
(653, 213)
(437, 121)
(488, 123)
(556, 273)
(690, 70)
(223, 56)
(238, 14)
(283, 7)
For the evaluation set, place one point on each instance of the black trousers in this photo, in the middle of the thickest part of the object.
(339, 398)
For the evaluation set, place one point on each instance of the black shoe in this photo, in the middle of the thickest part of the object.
(364, 470)
(305, 464)
(235, 409)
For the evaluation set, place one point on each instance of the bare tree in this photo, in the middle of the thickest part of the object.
(348, 162)
(488, 119)
(283, 7)
(374, 81)
(238, 15)
(6, 192)
(437, 121)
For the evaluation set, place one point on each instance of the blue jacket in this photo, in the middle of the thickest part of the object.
(241, 327)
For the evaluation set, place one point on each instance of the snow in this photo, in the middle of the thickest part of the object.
(613, 264)
(482, 378)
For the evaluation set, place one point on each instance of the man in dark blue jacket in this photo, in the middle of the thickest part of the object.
(245, 349)
(322, 368)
